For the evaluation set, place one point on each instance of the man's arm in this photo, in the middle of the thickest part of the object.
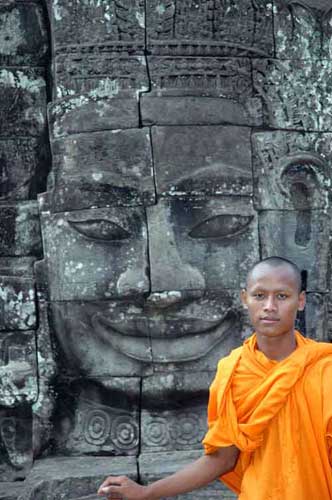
(195, 475)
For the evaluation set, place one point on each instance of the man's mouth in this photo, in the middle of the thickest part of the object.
(268, 320)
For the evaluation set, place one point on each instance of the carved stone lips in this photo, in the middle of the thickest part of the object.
(159, 326)
(164, 344)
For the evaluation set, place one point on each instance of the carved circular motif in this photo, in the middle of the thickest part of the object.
(124, 432)
(8, 430)
(187, 429)
(156, 432)
(97, 427)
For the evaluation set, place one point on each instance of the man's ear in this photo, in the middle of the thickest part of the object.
(302, 301)
(243, 295)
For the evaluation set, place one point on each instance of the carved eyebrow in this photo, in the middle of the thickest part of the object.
(204, 171)
(100, 229)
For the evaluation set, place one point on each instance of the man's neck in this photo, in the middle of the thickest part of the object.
(276, 348)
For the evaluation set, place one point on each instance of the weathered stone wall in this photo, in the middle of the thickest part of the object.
(184, 140)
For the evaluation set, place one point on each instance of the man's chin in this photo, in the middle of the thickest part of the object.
(271, 331)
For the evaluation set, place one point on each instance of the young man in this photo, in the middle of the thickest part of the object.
(270, 407)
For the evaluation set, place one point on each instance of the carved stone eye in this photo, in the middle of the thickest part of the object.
(221, 226)
(100, 229)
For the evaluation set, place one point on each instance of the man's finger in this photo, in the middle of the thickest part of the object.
(106, 490)
(109, 481)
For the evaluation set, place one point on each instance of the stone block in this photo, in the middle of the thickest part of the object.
(200, 90)
(78, 114)
(17, 266)
(21, 162)
(20, 230)
(17, 303)
(102, 338)
(225, 77)
(97, 418)
(16, 443)
(18, 368)
(201, 161)
(201, 244)
(200, 110)
(301, 236)
(302, 29)
(43, 406)
(316, 317)
(18, 357)
(192, 330)
(154, 466)
(99, 74)
(184, 27)
(176, 330)
(98, 169)
(10, 491)
(96, 254)
(301, 102)
(111, 26)
(74, 478)
(292, 170)
(173, 414)
(23, 34)
(23, 102)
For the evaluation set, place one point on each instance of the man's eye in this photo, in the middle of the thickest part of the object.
(221, 226)
(259, 296)
(100, 229)
(282, 296)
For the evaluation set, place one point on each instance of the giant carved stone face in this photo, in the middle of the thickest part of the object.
(149, 279)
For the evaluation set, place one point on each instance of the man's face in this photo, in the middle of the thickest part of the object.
(272, 298)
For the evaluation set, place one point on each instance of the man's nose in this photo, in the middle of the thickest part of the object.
(270, 303)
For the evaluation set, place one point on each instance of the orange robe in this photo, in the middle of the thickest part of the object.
(279, 415)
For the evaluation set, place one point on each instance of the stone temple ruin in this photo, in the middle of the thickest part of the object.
(150, 152)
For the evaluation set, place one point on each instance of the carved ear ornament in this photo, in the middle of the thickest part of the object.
(303, 168)
(319, 15)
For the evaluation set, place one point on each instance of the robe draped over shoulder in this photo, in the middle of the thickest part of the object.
(279, 415)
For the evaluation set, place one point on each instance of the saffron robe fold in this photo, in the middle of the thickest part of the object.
(279, 415)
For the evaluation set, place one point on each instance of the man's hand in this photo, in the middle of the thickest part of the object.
(193, 476)
(118, 487)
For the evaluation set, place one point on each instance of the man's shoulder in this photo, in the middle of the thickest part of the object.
(318, 372)
(323, 359)
(229, 362)
(233, 355)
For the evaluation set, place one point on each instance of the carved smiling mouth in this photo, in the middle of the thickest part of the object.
(168, 341)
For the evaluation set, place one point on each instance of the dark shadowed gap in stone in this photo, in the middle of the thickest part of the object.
(301, 196)
(300, 319)
(304, 278)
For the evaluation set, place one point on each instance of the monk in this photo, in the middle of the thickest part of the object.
(270, 406)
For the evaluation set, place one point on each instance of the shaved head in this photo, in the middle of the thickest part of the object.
(276, 262)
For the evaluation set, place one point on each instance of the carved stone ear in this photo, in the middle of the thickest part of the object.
(326, 22)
